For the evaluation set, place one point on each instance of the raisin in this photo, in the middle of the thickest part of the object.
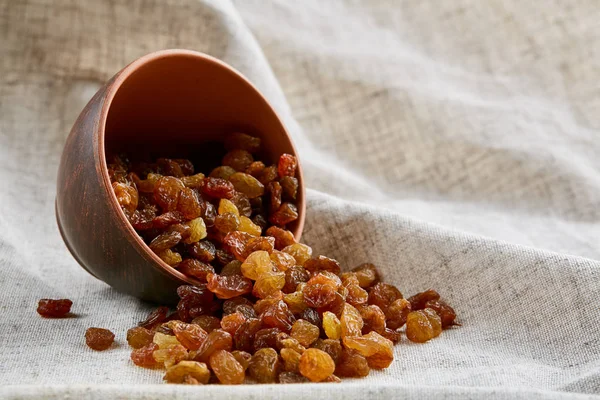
(268, 283)
(166, 219)
(318, 294)
(356, 295)
(266, 338)
(396, 313)
(244, 336)
(316, 365)
(265, 243)
(331, 325)
(311, 315)
(278, 316)
(246, 225)
(99, 338)
(367, 275)
(204, 251)
(293, 277)
(292, 377)
(446, 313)
(255, 168)
(289, 186)
(305, 332)
(299, 251)
(322, 263)
(283, 238)
(143, 357)
(226, 206)
(238, 159)
(284, 215)
(189, 204)
(216, 340)
(185, 370)
(434, 320)
(227, 222)
(226, 287)
(242, 203)
(230, 306)
(166, 192)
(282, 261)
(170, 356)
(274, 190)
(222, 172)
(268, 174)
(247, 184)
(333, 347)
(264, 366)
(127, 196)
(139, 337)
(165, 240)
(260, 220)
(373, 318)
(195, 301)
(419, 328)
(207, 322)
(156, 317)
(218, 188)
(383, 295)
(186, 166)
(261, 305)
(351, 322)
(170, 257)
(227, 369)
(291, 360)
(209, 213)
(242, 141)
(352, 365)
(287, 165)
(223, 257)
(169, 167)
(295, 302)
(236, 242)
(49, 308)
(189, 335)
(230, 323)
(242, 357)
(417, 302)
(193, 181)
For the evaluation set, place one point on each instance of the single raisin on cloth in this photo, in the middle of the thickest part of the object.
(452, 144)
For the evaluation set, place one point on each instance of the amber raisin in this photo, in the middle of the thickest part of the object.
(291, 359)
(278, 316)
(351, 322)
(418, 327)
(196, 370)
(238, 159)
(299, 251)
(216, 340)
(219, 188)
(189, 335)
(99, 338)
(304, 332)
(274, 191)
(268, 174)
(156, 317)
(170, 257)
(287, 213)
(266, 338)
(282, 261)
(417, 302)
(367, 275)
(370, 344)
(318, 294)
(139, 337)
(295, 302)
(352, 365)
(383, 295)
(264, 366)
(287, 165)
(238, 140)
(396, 313)
(169, 218)
(207, 322)
(189, 204)
(293, 277)
(316, 365)
(261, 305)
(434, 320)
(230, 323)
(193, 181)
(226, 287)
(244, 336)
(255, 168)
(204, 251)
(166, 192)
(50, 308)
(143, 357)
(247, 184)
(322, 263)
(170, 355)
(265, 243)
(169, 167)
(242, 357)
(446, 313)
(127, 195)
(289, 186)
(222, 172)
(236, 242)
(165, 240)
(333, 347)
(242, 203)
(227, 222)
(227, 369)
(268, 283)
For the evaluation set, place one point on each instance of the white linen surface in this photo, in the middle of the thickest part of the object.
(452, 143)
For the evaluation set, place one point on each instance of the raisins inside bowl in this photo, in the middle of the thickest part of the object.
(173, 103)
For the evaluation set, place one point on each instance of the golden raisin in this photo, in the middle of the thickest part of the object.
(196, 370)
(264, 366)
(316, 365)
(332, 325)
(139, 337)
(227, 369)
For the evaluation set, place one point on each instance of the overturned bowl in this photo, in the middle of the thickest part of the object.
(171, 101)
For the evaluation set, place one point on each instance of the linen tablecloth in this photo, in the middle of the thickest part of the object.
(452, 143)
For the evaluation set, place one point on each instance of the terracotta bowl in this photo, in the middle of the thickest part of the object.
(171, 103)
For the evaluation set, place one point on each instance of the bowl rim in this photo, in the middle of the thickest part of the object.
(111, 90)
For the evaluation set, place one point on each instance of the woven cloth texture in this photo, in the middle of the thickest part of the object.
(452, 143)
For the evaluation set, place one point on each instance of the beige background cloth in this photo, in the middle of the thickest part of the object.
(452, 143)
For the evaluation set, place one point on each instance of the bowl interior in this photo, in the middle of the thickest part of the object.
(179, 104)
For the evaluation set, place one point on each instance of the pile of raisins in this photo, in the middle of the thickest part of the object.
(185, 217)
(265, 308)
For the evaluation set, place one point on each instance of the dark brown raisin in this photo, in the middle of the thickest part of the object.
(50, 308)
